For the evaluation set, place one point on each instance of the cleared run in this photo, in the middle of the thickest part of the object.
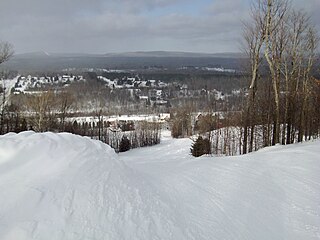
(62, 186)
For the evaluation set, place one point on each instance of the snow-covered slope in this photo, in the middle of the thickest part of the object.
(62, 186)
(271, 194)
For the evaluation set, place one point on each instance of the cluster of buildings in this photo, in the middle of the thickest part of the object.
(149, 91)
(28, 84)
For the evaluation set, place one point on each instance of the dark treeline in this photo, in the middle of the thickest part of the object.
(52, 111)
(138, 134)
(122, 136)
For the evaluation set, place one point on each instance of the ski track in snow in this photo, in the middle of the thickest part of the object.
(62, 186)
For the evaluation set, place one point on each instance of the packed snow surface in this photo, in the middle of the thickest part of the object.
(62, 186)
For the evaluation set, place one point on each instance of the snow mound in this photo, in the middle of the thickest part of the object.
(62, 186)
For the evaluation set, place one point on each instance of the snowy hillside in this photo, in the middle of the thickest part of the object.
(62, 186)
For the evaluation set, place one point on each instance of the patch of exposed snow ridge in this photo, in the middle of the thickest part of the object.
(63, 186)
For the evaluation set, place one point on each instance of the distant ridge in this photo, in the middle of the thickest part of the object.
(44, 54)
(46, 61)
(174, 54)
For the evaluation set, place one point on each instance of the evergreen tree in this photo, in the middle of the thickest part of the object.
(124, 144)
(200, 147)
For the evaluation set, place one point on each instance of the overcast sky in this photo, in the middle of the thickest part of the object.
(102, 26)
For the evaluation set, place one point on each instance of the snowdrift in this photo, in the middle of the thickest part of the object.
(62, 186)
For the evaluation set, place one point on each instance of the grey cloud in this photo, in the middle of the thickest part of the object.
(312, 7)
(227, 6)
(139, 5)
(125, 25)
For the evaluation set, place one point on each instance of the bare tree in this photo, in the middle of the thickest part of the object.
(182, 121)
(6, 52)
(309, 49)
(275, 12)
(65, 102)
(253, 35)
(296, 25)
(286, 41)
(41, 106)
(299, 59)
(99, 104)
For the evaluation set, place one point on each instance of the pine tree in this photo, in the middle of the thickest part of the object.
(124, 144)
(200, 147)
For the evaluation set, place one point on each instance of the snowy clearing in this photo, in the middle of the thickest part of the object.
(62, 186)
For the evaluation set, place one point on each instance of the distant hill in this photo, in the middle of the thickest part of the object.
(44, 54)
(44, 61)
(175, 54)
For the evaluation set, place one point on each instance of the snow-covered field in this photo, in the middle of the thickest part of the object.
(62, 186)
(161, 117)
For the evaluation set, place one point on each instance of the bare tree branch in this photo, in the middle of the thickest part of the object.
(6, 51)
